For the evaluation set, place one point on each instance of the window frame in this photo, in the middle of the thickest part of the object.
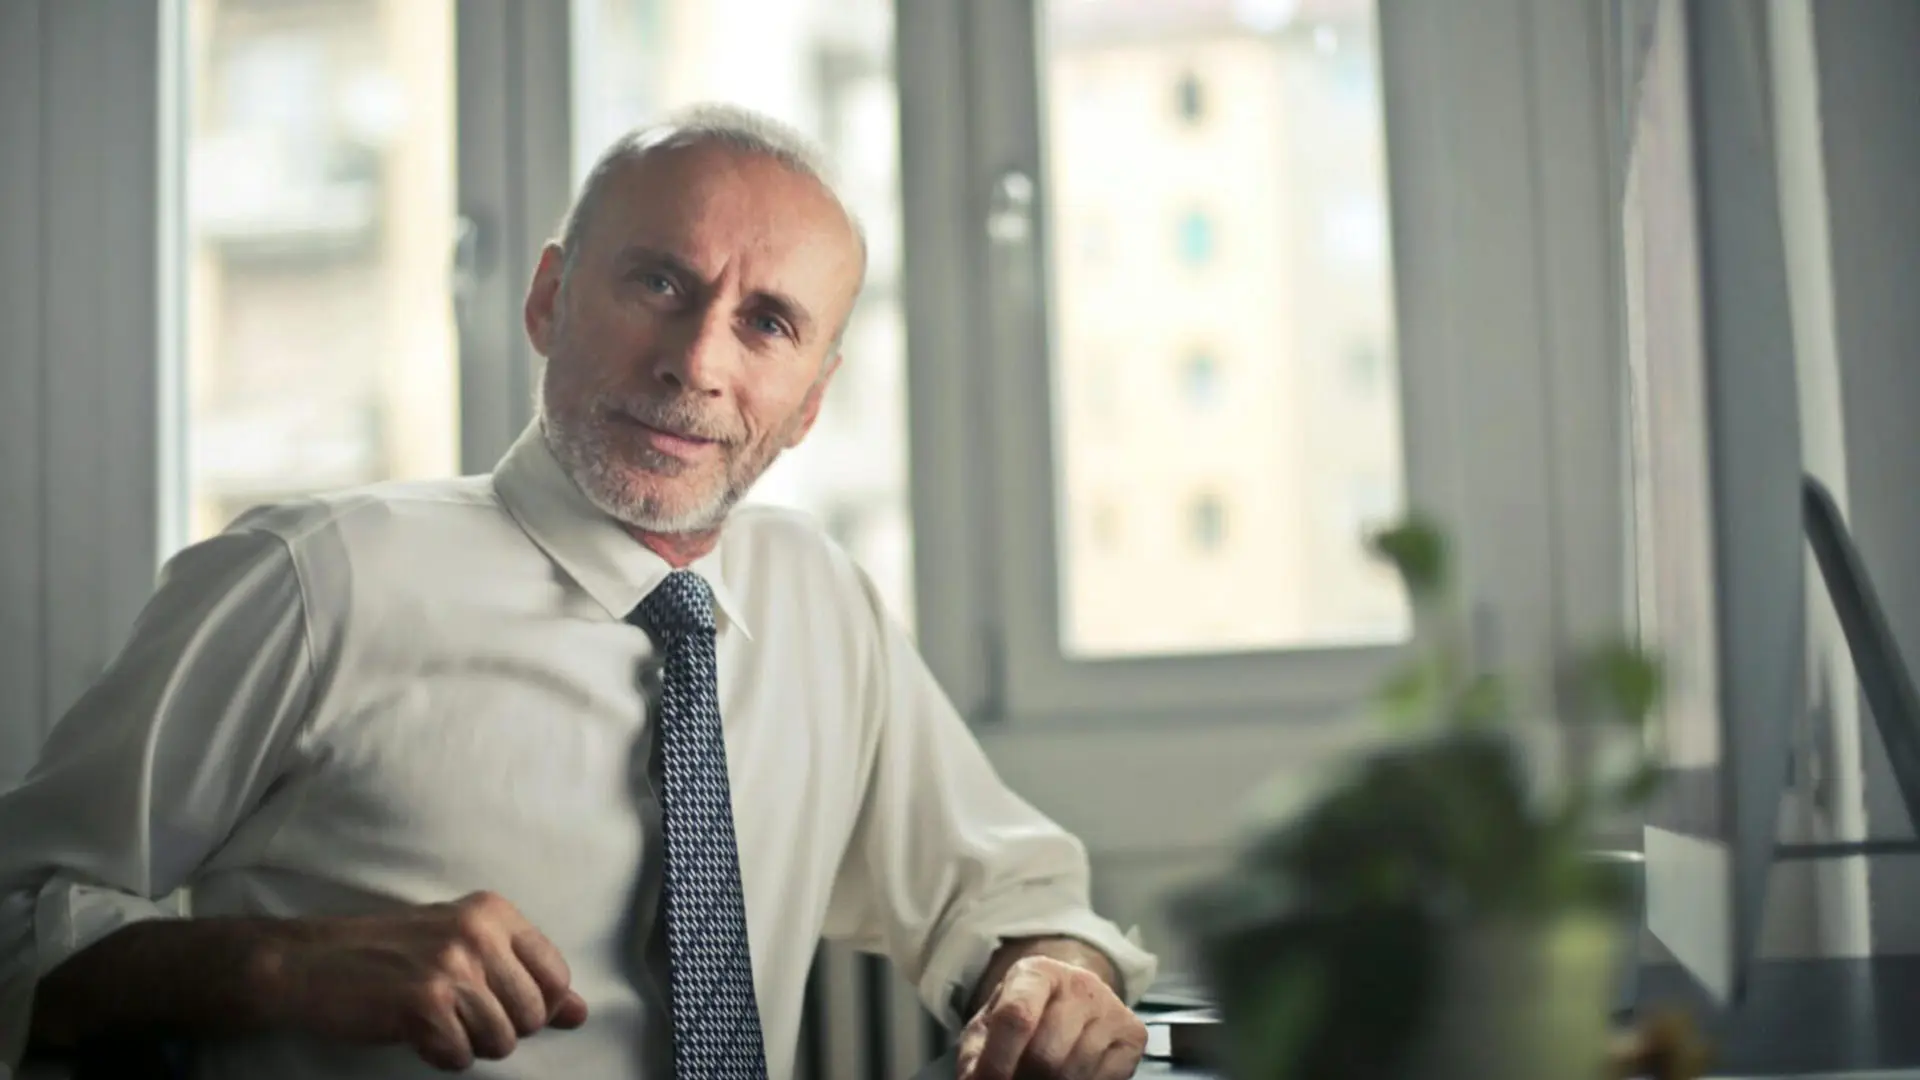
(514, 154)
(94, 420)
(81, 433)
(1511, 426)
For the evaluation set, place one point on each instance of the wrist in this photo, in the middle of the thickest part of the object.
(1065, 950)
(271, 979)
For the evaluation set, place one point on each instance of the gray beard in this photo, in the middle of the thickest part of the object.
(588, 459)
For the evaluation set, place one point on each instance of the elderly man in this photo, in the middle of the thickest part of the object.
(565, 769)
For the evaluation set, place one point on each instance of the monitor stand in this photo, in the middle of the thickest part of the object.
(1884, 679)
(1804, 1018)
(1826, 1017)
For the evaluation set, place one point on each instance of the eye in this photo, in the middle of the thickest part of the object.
(769, 325)
(656, 283)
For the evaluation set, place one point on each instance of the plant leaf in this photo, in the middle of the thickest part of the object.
(1418, 550)
(1412, 694)
(1630, 680)
(1482, 704)
(1639, 785)
(1280, 1019)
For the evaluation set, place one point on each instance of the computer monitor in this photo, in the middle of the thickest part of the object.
(1721, 503)
(1717, 465)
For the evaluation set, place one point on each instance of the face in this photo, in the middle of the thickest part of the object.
(692, 338)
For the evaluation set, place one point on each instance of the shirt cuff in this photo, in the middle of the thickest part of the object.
(955, 970)
(65, 917)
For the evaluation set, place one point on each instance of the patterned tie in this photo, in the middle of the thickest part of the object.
(716, 1022)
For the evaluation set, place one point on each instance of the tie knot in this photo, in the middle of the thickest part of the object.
(679, 605)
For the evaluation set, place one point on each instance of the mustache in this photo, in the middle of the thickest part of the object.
(679, 416)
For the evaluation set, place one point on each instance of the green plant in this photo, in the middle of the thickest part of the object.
(1323, 937)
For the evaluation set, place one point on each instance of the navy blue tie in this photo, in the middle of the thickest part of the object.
(716, 1022)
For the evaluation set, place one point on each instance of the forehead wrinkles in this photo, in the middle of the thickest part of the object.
(712, 224)
(739, 222)
(721, 188)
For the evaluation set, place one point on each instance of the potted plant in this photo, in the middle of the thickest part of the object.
(1435, 913)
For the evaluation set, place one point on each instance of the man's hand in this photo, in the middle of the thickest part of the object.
(1053, 1019)
(454, 981)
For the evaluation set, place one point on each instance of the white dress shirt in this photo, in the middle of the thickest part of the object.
(405, 693)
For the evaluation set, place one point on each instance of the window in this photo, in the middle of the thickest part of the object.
(1355, 229)
(1278, 241)
(1289, 159)
(1095, 242)
(1100, 394)
(1196, 238)
(1190, 98)
(827, 69)
(1106, 526)
(1207, 523)
(1363, 364)
(319, 336)
(1200, 381)
(1372, 504)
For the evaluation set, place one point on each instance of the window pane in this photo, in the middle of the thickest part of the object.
(1218, 211)
(320, 346)
(826, 67)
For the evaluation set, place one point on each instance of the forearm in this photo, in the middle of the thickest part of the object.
(1064, 949)
(194, 977)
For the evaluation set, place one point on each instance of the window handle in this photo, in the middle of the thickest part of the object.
(1013, 254)
(469, 243)
(1010, 213)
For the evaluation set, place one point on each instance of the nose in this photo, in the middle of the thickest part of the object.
(692, 357)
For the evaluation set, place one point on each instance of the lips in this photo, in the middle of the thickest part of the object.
(675, 442)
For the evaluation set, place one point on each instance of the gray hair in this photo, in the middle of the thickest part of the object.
(732, 126)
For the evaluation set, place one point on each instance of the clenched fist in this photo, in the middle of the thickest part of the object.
(454, 981)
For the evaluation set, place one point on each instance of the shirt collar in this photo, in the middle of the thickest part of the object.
(591, 547)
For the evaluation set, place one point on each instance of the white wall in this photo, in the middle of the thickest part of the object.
(78, 376)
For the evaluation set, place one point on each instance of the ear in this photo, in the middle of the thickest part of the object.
(543, 298)
(810, 408)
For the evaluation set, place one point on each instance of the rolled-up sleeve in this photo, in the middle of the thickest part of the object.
(149, 772)
(947, 862)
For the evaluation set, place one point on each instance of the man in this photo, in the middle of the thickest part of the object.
(561, 771)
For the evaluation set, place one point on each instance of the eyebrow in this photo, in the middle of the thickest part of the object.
(783, 305)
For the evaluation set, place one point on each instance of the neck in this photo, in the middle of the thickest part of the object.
(679, 549)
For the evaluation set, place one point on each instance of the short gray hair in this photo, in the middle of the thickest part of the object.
(732, 126)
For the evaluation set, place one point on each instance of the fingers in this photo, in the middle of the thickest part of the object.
(489, 1030)
(1053, 1020)
(524, 968)
(436, 1031)
(549, 972)
(973, 1038)
(498, 980)
(485, 1014)
(1118, 1063)
(1101, 1052)
(519, 995)
(1055, 1048)
(1000, 1034)
(571, 1013)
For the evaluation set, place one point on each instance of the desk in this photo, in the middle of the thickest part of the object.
(1801, 1020)
(941, 1068)
(1808, 1018)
